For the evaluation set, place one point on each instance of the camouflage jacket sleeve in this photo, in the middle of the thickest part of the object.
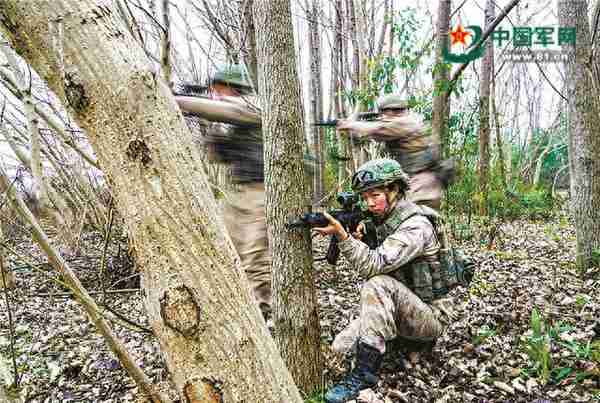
(414, 238)
(399, 127)
(387, 129)
(361, 128)
(225, 111)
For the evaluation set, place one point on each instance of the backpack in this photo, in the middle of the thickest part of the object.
(456, 268)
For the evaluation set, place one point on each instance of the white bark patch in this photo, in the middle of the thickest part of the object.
(179, 310)
(155, 184)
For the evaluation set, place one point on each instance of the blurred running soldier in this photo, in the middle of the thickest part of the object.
(237, 140)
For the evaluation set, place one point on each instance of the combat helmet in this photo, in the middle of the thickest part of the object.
(391, 101)
(377, 173)
(234, 75)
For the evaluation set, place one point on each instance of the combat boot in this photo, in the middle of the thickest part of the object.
(364, 375)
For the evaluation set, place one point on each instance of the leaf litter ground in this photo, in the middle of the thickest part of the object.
(482, 357)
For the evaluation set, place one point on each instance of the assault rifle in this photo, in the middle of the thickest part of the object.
(365, 116)
(350, 215)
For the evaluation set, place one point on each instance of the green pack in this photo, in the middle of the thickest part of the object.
(456, 268)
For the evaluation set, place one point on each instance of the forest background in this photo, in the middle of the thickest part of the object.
(524, 136)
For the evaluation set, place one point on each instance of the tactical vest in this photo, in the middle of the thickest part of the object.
(240, 146)
(426, 276)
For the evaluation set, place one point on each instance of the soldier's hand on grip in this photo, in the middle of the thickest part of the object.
(334, 228)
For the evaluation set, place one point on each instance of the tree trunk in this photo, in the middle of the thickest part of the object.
(392, 35)
(441, 104)
(584, 133)
(248, 40)
(339, 63)
(7, 277)
(484, 114)
(539, 164)
(499, 142)
(295, 309)
(387, 17)
(24, 87)
(363, 41)
(316, 98)
(515, 127)
(165, 44)
(213, 337)
(352, 28)
(6, 394)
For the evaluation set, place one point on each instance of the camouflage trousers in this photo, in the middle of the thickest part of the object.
(425, 188)
(389, 309)
(245, 220)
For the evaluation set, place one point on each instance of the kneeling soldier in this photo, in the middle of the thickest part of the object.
(403, 273)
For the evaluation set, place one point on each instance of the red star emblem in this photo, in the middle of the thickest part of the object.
(458, 35)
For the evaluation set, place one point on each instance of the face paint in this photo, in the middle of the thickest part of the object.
(381, 205)
(376, 202)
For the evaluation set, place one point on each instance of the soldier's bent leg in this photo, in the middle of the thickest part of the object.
(245, 221)
(389, 309)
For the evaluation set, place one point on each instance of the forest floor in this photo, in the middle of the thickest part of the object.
(500, 350)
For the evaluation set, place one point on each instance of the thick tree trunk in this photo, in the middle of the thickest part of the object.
(441, 104)
(584, 132)
(484, 114)
(294, 298)
(316, 98)
(215, 342)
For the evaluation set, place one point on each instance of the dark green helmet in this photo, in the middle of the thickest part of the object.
(234, 75)
(391, 101)
(378, 173)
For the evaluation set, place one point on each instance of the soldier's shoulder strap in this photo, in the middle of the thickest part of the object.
(396, 218)
(437, 223)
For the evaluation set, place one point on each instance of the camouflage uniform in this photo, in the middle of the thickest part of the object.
(239, 142)
(408, 141)
(403, 274)
(388, 307)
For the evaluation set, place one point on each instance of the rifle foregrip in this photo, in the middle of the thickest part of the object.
(333, 251)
